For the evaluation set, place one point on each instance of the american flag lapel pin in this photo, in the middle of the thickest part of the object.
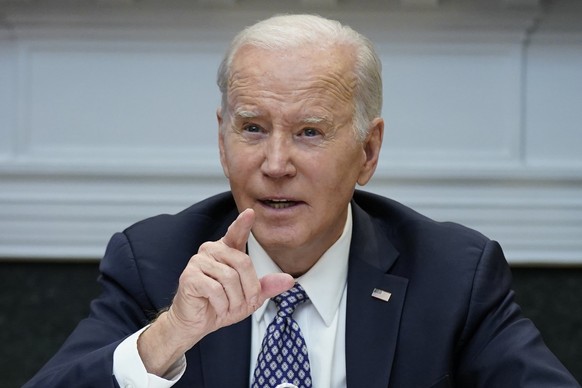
(381, 294)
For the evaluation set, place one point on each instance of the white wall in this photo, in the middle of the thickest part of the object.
(107, 116)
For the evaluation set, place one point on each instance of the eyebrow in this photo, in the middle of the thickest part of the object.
(316, 120)
(245, 114)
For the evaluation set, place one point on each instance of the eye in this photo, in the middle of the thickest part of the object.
(310, 132)
(252, 128)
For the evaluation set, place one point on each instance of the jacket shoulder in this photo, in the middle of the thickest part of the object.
(406, 224)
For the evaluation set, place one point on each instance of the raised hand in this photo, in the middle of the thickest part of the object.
(218, 287)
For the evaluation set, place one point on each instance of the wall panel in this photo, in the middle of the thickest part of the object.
(125, 100)
(554, 114)
(451, 103)
(7, 93)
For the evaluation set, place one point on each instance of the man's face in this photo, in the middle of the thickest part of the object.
(289, 150)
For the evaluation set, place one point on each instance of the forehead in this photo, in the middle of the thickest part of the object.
(294, 73)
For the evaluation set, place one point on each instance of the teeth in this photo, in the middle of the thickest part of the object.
(279, 203)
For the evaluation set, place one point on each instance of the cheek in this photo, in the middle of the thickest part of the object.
(241, 163)
(333, 177)
(344, 164)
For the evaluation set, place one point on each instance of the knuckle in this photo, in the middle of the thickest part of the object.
(190, 273)
(229, 274)
(206, 247)
(245, 263)
(216, 288)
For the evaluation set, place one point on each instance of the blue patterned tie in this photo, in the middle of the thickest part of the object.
(283, 357)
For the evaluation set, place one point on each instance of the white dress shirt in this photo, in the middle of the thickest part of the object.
(322, 321)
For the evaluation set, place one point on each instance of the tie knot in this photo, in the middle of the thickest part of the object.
(287, 301)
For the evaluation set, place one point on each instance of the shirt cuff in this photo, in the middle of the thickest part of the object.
(130, 372)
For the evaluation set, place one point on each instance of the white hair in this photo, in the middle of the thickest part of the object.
(291, 31)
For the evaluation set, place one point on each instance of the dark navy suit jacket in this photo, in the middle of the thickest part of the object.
(451, 320)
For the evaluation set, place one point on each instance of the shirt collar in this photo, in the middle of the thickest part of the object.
(324, 282)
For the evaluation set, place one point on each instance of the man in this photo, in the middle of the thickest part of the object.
(392, 298)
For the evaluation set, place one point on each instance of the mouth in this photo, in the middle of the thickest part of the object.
(279, 203)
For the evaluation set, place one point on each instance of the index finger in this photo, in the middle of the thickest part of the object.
(237, 235)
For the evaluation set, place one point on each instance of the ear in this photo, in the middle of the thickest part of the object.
(372, 146)
(221, 146)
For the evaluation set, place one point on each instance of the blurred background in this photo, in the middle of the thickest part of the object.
(107, 116)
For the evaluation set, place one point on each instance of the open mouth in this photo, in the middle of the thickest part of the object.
(279, 203)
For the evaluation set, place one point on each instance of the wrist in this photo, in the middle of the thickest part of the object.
(162, 344)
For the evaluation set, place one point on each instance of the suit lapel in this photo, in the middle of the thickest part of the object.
(225, 356)
(372, 324)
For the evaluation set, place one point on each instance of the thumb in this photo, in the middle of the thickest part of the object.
(275, 283)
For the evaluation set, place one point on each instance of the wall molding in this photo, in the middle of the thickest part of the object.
(536, 215)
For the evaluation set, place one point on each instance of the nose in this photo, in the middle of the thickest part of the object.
(278, 162)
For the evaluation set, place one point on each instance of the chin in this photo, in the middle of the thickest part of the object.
(275, 237)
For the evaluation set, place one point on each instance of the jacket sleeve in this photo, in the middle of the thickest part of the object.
(499, 347)
(86, 357)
